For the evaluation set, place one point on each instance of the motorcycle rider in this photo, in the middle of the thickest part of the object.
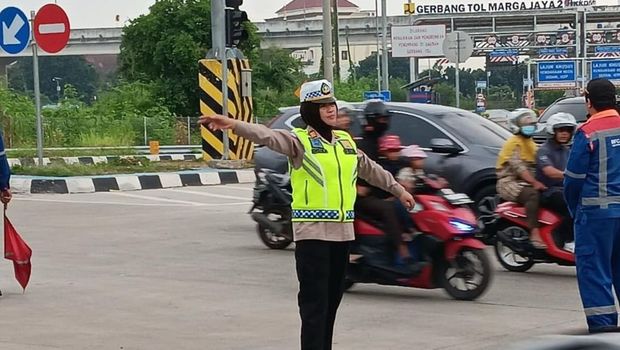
(551, 162)
(516, 166)
(375, 124)
(414, 173)
(345, 117)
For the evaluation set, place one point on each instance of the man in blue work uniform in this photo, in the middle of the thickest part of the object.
(592, 193)
(5, 175)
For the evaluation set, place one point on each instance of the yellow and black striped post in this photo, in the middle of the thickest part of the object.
(239, 107)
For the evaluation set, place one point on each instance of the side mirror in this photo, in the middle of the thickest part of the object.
(445, 146)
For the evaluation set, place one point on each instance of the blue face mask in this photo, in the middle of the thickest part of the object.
(528, 130)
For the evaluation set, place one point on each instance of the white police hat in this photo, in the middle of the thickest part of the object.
(318, 91)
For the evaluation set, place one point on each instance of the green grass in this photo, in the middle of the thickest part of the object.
(123, 166)
(71, 153)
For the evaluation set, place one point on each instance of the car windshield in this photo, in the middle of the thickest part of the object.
(578, 110)
(475, 129)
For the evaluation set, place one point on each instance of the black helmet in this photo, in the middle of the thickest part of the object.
(375, 109)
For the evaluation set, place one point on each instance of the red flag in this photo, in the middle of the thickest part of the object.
(17, 250)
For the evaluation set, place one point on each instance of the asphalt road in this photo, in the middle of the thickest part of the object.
(184, 269)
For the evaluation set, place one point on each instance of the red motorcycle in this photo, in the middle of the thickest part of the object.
(507, 231)
(455, 260)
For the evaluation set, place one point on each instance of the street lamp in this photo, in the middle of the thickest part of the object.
(57, 80)
(6, 72)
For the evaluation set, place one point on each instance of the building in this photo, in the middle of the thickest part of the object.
(301, 17)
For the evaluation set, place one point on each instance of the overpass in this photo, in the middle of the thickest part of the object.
(91, 41)
(526, 31)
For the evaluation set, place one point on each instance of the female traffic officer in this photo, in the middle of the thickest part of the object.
(325, 164)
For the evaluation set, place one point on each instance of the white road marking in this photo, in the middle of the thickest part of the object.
(98, 202)
(149, 198)
(128, 203)
(249, 189)
(52, 28)
(207, 194)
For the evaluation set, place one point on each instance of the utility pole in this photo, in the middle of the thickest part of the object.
(378, 49)
(336, 41)
(37, 96)
(328, 61)
(413, 61)
(385, 74)
(218, 41)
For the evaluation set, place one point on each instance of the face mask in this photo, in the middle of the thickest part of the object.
(528, 130)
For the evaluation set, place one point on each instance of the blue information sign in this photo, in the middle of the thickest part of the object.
(608, 69)
(384, 95)
(556, 74)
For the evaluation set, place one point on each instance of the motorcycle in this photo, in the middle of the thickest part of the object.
(507, 231)
(271, 209)
(455, 260)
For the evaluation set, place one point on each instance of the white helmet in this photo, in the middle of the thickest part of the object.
(559, 120)
(515, 118)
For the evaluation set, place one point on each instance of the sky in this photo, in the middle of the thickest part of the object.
(102, 13)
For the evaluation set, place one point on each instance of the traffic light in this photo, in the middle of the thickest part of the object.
(235, 23)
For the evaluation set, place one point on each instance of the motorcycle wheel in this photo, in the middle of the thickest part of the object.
(508, 258)
(271, 239)
(468, 275)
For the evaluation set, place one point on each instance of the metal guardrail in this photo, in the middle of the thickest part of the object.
(171, 149)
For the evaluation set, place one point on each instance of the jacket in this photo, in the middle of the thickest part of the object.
(592, 175)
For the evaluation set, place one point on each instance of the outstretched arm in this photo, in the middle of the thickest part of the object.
(281, 141)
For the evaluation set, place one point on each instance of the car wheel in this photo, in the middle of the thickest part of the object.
(485, 201)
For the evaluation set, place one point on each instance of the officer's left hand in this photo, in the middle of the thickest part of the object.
(407, 199)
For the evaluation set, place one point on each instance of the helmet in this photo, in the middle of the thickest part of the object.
(345, 107)
(375, 108)
(390, 143)
(517, 117)
(560, 120)
(413, 151)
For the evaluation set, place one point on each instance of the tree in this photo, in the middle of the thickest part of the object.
(276, 76)
(275, 68)
(398, 67)
(73, 70)
(164, 47)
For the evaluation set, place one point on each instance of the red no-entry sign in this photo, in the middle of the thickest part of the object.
(51, 28)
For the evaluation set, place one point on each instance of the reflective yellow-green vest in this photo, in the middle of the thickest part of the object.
(324, 186)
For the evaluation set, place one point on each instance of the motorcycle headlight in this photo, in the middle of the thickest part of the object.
(462, 227)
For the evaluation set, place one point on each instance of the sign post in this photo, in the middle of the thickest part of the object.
(37, 97)
(458, 47)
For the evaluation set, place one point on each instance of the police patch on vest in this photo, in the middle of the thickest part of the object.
(317, 146)
(348, 148)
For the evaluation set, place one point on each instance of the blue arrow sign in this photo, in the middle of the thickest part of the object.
(14, 30)
(384, 95)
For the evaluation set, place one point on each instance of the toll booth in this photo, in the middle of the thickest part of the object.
(422, 91)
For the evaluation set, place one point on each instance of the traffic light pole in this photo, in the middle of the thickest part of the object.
(328, 61)
(218, 38)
